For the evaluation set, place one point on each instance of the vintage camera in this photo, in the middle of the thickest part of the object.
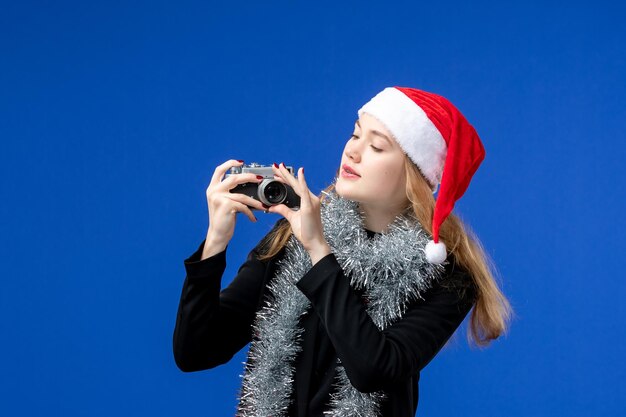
(269, 191)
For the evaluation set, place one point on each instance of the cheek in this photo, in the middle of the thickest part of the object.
(390, 169)
(392, 174)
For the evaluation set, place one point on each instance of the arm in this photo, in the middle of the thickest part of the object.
(374, 359)
(211, 326)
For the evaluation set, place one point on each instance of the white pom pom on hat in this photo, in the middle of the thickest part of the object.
(435, 252)
(438, 139)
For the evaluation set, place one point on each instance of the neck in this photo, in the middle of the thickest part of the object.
(378, 218)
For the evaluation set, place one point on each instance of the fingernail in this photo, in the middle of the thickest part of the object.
(258, 177)
(275, 166)
(240, 161)
(264, 206)
(303, 170)
(282, 163)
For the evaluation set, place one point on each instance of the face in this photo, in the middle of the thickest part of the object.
(378, 162)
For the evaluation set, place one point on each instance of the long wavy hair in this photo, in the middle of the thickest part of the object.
(492, 311)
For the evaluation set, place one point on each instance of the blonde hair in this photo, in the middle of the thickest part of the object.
(491, 311)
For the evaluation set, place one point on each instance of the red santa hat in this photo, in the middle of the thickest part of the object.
(438, 139)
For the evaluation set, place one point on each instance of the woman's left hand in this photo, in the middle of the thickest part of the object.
(306, 223)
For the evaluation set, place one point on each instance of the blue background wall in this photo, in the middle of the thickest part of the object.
(113, 116)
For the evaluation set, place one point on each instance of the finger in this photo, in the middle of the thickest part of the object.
(312, 196)
(286, 175)
(280, 179)
(305, 198)
(281, 209)
(234, 180)
(247, 200)
(296, 188)
(220, 171)
(242, 208)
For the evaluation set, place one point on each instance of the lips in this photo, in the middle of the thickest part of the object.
(349, 170)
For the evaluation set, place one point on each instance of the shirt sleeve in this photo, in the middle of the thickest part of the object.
(375, 359)
(213, 325)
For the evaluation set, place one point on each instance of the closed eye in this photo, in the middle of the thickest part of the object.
(373, 147)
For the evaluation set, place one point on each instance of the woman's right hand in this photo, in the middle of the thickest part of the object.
(224, 205)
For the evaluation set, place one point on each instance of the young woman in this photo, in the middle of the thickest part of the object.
(347, 299)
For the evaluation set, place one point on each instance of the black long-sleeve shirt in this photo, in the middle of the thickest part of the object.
(213, 325)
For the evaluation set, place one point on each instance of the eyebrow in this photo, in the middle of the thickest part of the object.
(377, 133)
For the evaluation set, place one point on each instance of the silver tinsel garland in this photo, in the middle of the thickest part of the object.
(391, 268)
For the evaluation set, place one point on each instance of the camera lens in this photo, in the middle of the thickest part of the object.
(275, 192)
(272, 192)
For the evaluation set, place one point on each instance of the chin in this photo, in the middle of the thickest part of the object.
(340, 191)
(346, 193)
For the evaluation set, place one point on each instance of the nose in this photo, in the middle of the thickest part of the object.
(353, 152)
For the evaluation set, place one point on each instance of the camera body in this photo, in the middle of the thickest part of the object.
(269, 191)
